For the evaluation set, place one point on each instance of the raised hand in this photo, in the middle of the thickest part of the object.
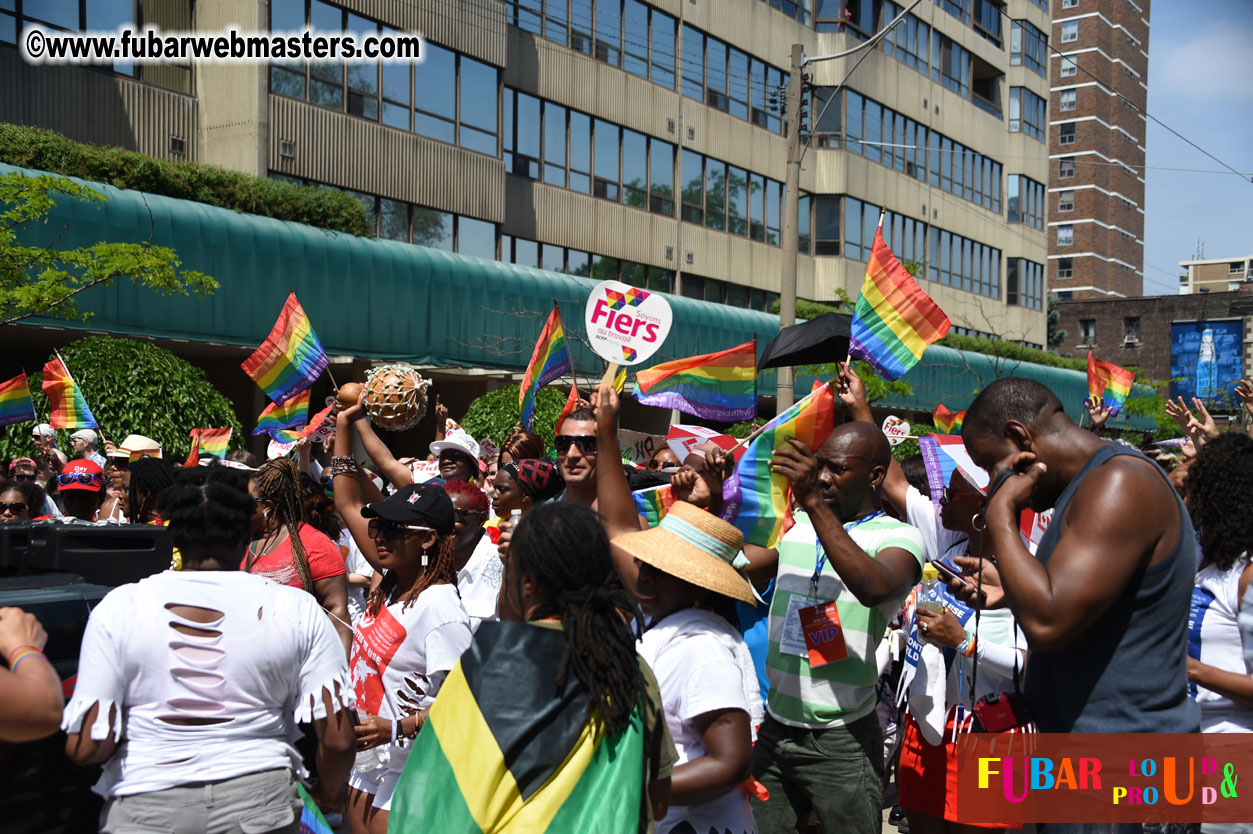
(1098, 413)
(1203, 422)
(1179, 412)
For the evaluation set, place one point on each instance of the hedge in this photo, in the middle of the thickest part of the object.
(45, 150)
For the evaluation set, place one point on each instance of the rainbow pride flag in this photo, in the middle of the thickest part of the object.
(284, 415)
(16, 405)
(549, 360)
(69, 406)
(212, 441)
(653, 503)
(718, 386)
(1109, 382)
(947, 421)
(286, 435)
(311, 819)
(290, 358)
(894, 320)
(755, 499)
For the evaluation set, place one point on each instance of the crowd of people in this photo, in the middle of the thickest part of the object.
(495, 639)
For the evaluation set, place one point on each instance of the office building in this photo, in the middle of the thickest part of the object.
(1215, 275)
(620, 138)
(1099, 66)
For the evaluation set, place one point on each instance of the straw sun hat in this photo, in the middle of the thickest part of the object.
(695, 546)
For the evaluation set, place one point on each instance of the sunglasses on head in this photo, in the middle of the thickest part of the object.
(585, 442)
(390, 530)
(84, 478)
(17, 507)
(949, 494)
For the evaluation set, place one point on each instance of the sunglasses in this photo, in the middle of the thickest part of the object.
(24, 476)
(16, 507)
(948, 495)
(585, 442)
(390, 530)
(84, 478)
(462, 515)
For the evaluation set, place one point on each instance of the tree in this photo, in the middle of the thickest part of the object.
(45, 281)
(1055, 334)
(135, 387)
(493, 415)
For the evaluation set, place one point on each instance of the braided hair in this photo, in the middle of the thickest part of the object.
(441, 570)
(564, 546)
(278, 481)
(1218, 486)
(319, 508)
(207, 507)
(151, 475)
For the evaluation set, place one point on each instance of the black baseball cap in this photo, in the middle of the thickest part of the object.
(424, 504)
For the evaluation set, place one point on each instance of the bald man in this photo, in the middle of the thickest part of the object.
(844, 571)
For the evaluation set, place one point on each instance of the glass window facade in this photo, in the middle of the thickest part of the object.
(1026, 201)
(964, 264)
(1027, 113)
(1024, 283)
(729, 80)
(1028, 47)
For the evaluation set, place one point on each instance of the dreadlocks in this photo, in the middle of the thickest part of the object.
(564, 546)
(278, 481)
(148, 475)
(442, 569)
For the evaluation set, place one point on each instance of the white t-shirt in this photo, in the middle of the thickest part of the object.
(938, 542)
(693, 655)
(275, 653)
(479, 582)
(405, 649)
(1214, 638)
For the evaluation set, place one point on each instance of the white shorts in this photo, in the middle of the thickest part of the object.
(379, 783)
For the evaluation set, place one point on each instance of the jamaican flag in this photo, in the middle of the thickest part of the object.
(503, 750)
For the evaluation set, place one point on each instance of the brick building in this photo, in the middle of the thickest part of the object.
(1137, 331)
(1095, 199)
(1215, 275)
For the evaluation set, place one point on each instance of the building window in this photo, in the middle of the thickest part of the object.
(1069, 99)
(1026, 201)
(1024, 283)
(1070, 4)
(1066, 235)
(1235, 268)
(964, 264)
(1066, 201)
(1069, 67)
(1066, 168)
(1070, 31)
(726, 79)
(1027, 46)
(826, 224)
(1131, 330)
(1066, 133)
(95, 15)
(1065, 267)
(1087, 332)
(1026, 113)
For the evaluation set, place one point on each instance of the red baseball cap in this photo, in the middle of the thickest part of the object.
(81, 474)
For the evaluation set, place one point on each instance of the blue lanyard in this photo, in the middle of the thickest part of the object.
(821, 561)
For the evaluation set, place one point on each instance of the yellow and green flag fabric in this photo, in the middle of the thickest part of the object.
(503, 750)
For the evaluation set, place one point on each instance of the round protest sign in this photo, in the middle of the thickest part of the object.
(896, 429)
(626, 325)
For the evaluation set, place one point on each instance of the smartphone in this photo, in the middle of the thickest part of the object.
(947, 569)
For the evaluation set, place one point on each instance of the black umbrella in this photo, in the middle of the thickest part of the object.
(815, 342)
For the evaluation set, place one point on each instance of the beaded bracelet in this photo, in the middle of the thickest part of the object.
(21, 655)
(967, 646)
(344, 465)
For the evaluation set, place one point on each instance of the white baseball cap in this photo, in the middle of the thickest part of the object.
(86, 434)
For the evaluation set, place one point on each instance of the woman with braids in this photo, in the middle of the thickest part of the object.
(290, 551)
(576, 741)
(191, 683)
(1219, 487)
(414, 627)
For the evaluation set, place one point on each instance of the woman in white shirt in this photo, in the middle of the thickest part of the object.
(1219, 485)
(190, 683)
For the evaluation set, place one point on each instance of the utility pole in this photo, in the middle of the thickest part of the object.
(791, 206)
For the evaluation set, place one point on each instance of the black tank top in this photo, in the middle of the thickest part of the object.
(1128, 673)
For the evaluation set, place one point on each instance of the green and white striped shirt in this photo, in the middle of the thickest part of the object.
(840, 692)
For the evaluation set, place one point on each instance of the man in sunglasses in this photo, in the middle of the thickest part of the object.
(576, 456)
(81, 485)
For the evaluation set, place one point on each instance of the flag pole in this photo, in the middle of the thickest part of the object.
(883, 210)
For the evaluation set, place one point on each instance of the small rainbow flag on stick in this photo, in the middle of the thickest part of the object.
(549, 360)
(718, 386)
(16, 405)
(653, 503)
(212, 441)
(894, 320)
(1109, 382)
(291, 357)
(946, 421)
(69, 407)
(755, 499)
(292, 435)
(283, 415)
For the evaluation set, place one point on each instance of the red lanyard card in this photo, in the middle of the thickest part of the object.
(823, 635)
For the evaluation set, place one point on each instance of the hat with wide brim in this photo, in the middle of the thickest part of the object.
(695, 546)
